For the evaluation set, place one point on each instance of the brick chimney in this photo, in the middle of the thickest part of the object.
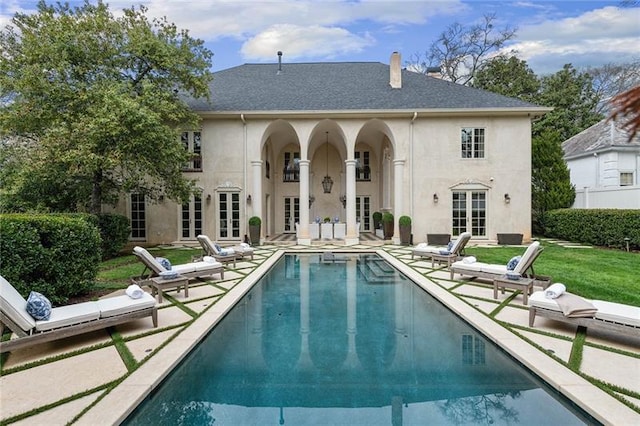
(395, 71)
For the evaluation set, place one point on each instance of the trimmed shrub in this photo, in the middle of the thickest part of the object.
(114, 231)
(56, 255)
(404, 221)
(598, 227)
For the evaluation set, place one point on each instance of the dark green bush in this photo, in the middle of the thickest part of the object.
(114, 230)
(56, 255)
(599, 227)
(387, 217)
(404, 221)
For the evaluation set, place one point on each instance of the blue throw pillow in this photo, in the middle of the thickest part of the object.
(38, 306)
(450, 245)
(218, 248)
(511, 265)
(445, 252)
(164, 262)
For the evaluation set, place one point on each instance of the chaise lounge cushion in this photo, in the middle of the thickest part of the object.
(70, 315)
(119, 305)
(616, 312)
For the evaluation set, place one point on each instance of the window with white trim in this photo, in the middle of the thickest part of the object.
(472, 142)
(291, 170)
(626, 178)
(192, 143)
(363, 169)
(138, 217)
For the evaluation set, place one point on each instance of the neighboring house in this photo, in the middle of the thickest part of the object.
(453, 158)
(604, 166)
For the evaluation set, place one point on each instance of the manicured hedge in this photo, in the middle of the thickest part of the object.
(599, 227)
(56, 255)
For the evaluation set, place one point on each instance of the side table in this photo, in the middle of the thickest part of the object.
(523, 284)
(158, 284)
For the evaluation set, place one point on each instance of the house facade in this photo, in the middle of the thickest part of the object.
(604, 166)
(297, 143)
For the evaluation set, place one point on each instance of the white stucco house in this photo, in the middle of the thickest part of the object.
(604, 166)
(453, 158)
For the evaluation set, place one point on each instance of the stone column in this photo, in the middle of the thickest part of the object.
(303, 227)
(352, 237)
(398, 210)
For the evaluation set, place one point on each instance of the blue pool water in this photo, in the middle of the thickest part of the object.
(350, 341)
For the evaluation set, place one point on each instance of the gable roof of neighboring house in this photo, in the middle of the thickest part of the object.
(342, 86)
(602, 136)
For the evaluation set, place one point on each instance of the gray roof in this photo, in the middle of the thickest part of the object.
(602, 136)
(339, 86)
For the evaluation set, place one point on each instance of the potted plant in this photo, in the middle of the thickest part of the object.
(387, 225)
(254, 230)
(404, 223)
(377, 220)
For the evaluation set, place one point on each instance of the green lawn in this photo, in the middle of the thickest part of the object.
(593, 273)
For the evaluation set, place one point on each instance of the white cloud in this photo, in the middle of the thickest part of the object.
(212, 20)
(600, 36)
(302, 41)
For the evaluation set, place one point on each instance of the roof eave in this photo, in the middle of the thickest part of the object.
(531, 112)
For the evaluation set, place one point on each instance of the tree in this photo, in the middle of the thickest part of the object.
(612, 79)
(573, 100)
(508, 76)
(461, 50)
(551, 186)
(98, 101)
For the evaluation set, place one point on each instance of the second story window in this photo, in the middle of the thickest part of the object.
(192, 143)
(291, 170)
(472, 142)
(363, 168)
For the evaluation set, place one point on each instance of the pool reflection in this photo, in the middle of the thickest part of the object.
(346, 341)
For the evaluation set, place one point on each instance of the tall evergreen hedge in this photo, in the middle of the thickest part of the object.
(57, 255)
(599, 227)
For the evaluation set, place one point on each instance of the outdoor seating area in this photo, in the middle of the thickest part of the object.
(66, 321)
(155, 350)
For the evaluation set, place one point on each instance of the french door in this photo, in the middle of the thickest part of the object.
(470, 212)
(291, 213)
(228, 216)
(363, 212)
(191, 218)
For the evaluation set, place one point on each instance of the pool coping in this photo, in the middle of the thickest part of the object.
(124, 398)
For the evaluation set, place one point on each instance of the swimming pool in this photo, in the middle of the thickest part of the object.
(348, 341)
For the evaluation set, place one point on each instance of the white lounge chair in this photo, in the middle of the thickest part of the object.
(223, 256)
(491, 271)
(609, 316)
(189, 270)
(66, 321)
(431, 252)
(239, 251)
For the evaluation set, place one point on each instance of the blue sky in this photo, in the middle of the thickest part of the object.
(549, 33)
